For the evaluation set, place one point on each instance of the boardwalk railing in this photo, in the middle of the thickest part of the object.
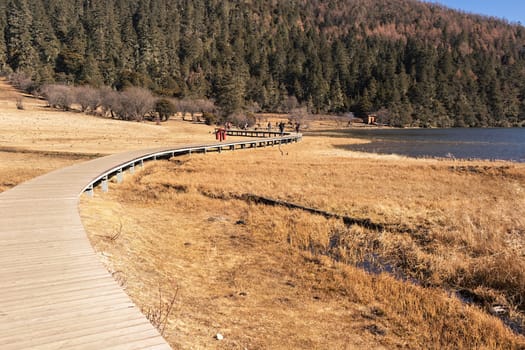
(166, 153)
(256, 133)
(54, 291)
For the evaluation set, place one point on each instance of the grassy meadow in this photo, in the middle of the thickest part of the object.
(272, 277)
(200, 258)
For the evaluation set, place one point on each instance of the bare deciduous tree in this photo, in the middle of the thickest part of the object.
(206, 105)
(194, 106)
(22, 81)
(88, 98)
(136, 103)
(299, 114)
(111, 103)
(59, 96)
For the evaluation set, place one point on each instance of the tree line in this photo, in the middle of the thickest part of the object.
(131, 104)
(413, 63)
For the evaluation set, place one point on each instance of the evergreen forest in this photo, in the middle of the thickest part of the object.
(410, 62)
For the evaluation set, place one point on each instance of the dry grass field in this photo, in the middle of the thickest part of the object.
(200, 257)
(272, 277)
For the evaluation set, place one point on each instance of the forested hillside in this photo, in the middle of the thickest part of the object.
(415, 63)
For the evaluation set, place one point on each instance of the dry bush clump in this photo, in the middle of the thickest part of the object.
(22, 81)
(195, 107)
(59, 96)
(133, 103)
(160, 313)
(445, 232)
(89, 98)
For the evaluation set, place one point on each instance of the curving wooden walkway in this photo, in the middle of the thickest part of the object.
(54, 292)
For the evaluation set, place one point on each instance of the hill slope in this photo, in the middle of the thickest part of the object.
(419, 63)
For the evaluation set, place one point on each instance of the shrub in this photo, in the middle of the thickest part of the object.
(110, 102)
(132, 104)
(59, 96)
(298, 115)
(22, 81)
(136, 103)
(210, 118)
(193, 106)
(164, 109)
(88, 98)
(242, 120)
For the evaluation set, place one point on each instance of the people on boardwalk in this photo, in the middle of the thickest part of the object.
(281, 128)
(297, 127)
(220, 134)
(269, 126)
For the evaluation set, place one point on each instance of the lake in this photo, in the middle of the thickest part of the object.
(497, 143)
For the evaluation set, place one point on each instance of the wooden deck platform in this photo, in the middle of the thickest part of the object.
(54, 292)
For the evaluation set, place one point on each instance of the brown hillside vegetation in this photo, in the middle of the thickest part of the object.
(418, 62)
(272, 277)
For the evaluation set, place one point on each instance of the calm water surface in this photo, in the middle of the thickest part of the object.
(504, 144)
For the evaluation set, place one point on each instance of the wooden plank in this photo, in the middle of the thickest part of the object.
(87, 327)
(54, 293)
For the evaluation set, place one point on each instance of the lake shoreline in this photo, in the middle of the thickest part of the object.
(486, 144)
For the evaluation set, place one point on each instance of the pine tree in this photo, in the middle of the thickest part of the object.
(44, 41)
(328, 55)
(232, 88)
(336, 97)
(3, 28)
(21, 54)
(365, 105)
(71, 59)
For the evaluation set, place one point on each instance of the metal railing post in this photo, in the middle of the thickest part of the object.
(105, 187)
(90, 191)
(120, 176)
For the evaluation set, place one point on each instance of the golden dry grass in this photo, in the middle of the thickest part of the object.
(17, 167)
(271, 277)
(38, 127)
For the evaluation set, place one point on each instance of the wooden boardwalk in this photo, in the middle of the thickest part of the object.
(54, 291)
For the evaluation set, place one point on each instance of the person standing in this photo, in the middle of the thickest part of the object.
(281, 128)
